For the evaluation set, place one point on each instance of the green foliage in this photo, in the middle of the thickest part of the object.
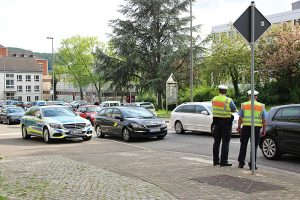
(147, 96)
(150, 44)
(201, 93)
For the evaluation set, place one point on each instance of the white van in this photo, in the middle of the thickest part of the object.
(105, 104)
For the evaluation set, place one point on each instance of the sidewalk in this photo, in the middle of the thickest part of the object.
(140, 175)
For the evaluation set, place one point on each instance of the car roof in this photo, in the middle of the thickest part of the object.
(111, 102)
(285, 106)
(197, 103)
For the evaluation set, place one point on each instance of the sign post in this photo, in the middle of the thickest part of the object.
(252, 24)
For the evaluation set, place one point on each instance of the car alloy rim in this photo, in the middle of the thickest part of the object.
(269, 147)
(98, 132)
(126, 134)
(178, 127)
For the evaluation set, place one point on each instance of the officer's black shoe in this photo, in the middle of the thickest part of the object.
(225, 164)
(241, 166)
(215, 164)
(250, 166)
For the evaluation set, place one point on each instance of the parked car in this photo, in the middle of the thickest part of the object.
(51, 103)
(76, 104)
(38, 103)
(196, 116)
(129, 123)
(88, 112)
(12, 102)
(54, 122)
(11, 115)
(110, 104)
(148, 105)
(282, 132)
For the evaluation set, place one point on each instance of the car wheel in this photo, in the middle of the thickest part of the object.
(1, 122)
(126, 135)
(160, 137)
(46, 135)
(25, 136)
(99, 132)
(270, 148)
(179, 127)
(8, 121)
(86, 138)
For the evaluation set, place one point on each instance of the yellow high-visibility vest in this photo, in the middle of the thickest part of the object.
(221, 106)
(258, 111)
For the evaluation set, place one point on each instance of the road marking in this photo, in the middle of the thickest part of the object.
(10, 134)
(133, 145)
(197, 159)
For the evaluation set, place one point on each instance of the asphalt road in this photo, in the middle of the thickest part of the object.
(11, 144)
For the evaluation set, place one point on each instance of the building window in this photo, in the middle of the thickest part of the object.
(20, 88)
(10, 95)
(9, 75)
(41, 66)
(36, 98)
(36, 78)
(28, 88)
(28, 98)
(28, 78)
(19, 98)
(19, 77)
(36, 88)
(9, 84)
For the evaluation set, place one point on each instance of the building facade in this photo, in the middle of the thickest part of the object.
(292, 16)
(21, 76)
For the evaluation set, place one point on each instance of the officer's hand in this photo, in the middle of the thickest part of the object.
(263, 132)
(238, 129)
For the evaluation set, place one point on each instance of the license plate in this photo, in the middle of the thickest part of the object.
(155, 130)
(77, 131)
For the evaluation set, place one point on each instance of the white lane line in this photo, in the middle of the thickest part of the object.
(198, 160)
(132, 145)
(10, 134)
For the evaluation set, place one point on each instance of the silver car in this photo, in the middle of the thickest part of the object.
(54, 122)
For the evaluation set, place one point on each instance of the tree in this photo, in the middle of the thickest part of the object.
(77, 56)
(228, 57)
(150, 44)
(279, 58)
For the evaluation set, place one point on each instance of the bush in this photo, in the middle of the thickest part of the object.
(201, 93)
(148, 97)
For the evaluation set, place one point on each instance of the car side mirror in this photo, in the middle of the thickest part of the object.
(204, 112)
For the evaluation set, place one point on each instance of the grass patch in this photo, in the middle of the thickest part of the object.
(3, 198)
(163, 114)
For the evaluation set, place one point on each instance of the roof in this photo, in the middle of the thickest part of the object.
(13, 64)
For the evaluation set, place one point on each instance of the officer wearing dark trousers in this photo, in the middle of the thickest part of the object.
(245, 132)
(222, 123)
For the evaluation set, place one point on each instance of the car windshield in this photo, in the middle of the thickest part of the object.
(57, 112)
(15, 110)
(137, 113)
(93, 109)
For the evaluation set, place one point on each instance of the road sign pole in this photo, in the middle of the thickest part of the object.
(252, 44)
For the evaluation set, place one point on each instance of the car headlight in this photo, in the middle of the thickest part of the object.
(163, 125)
(135, 125)
(56, 126)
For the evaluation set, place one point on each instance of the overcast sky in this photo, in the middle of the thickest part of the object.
(27, 23)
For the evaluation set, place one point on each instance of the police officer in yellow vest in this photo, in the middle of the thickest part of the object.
(245, 131)
(222, 121)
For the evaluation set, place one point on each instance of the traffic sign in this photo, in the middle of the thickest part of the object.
(243, 24)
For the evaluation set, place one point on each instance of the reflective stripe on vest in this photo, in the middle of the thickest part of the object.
(258, 110)
(221, 106)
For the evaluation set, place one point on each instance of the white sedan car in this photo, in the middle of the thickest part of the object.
(196, 116)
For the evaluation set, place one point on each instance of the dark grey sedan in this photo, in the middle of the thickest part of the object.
(11, 115)
(129, 123)
(282, 132)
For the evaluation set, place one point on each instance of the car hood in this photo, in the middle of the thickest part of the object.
(66, 120)
(152, 121)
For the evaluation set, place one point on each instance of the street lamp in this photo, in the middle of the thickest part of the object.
(191, 53)
(53, 96)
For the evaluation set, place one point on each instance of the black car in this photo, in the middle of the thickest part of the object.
(283, 132)
(129, 123)
(11, 115)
